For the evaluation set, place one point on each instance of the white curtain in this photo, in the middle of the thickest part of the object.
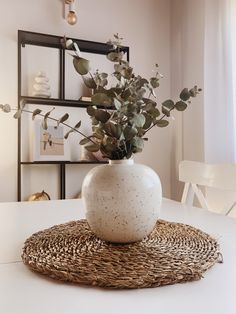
(219, 81)
(203, 51)
(219, 93)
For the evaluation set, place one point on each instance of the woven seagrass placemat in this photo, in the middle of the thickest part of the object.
(173, 253)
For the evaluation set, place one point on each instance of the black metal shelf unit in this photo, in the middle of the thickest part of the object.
(44, 40)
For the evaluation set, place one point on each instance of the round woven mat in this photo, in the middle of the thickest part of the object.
(173, 253)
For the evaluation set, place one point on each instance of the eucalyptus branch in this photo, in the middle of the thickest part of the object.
(119, 133)
(163, 116)
(57, 120)
(91, 75)
(150, 94)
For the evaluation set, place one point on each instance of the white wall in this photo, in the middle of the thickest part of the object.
(145, 25)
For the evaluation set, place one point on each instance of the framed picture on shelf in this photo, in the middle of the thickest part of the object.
(49, 145)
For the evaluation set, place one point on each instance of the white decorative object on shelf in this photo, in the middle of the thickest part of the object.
(41, 87)
(122, 200)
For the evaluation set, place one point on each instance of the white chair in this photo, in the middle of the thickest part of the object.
(195, 174)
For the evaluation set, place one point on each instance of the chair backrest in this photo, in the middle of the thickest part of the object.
(194, 174)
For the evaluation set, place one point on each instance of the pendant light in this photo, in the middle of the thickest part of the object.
(71, 16)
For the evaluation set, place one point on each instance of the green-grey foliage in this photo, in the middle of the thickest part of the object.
(130, 107)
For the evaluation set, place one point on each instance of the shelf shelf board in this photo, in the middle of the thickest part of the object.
(52, 41)
(59, 102)
(59, 162)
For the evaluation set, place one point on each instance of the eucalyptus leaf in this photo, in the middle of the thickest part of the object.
(168, 104)
(109, 147)
(114, 92)
(91, 111)
(180, 105)
(63, 119)
(126, 94)
(44, 122)
(84, 141)
(194, 91)
(98, 131)
(94, 121)
(149, 101)
(138, 120)
(98, 135)
(68, 133)
(154, 82)
(117, 75)
(118, 131)
(102, 115)
(127, 73)
(161, 123)
(165, 111)
(130, 132)
(112, 129)
(18, 114)
(115, 56)
(154, 112)
(67, 43)
(35, 113)
(138, 144)
(103, 82)
(92, 148)
(104, 75)
(185, 94)
(141, 82)
(140, 93)
(117, 104)
(131, 108)
(118, 67)
(78, 125)
(6, 108)
(148, 121)
(81, 65)
(101, 99)
(22, 104)
(89, 82)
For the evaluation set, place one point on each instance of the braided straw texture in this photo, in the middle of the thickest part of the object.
(173, 253)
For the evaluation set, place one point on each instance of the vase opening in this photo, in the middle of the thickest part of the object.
(121, 162)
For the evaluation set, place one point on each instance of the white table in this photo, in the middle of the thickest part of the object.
(24, 292)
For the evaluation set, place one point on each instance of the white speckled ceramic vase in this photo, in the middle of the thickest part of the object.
(122, 200)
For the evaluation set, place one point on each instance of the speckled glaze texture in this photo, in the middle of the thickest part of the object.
(122, 200)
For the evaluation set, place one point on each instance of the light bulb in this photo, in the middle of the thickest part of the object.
(71, 17)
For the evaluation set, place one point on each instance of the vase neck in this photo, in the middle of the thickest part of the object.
(121, 162)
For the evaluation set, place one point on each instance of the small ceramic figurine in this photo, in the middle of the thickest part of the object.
(41, 86)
